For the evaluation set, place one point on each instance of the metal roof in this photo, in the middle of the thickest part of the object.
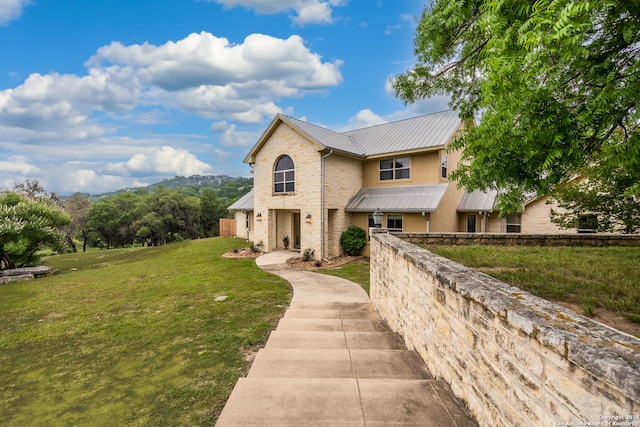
(244, 203)
(478, 201)
(326, 137)
(410, 198)
(431, 130)
(417, 133)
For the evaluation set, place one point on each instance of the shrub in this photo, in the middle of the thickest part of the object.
(257, 247)
(308, 254)
(353, 240)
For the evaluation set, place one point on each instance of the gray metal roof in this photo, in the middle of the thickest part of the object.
(244, 203)
(326, 137)
(410, 198)
(478, 201)
(431, 130)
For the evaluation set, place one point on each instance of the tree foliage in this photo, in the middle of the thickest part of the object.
(606, 192)
(554, 81)
(26, 224)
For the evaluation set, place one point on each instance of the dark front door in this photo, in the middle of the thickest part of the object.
(471, 223)
(296, 231)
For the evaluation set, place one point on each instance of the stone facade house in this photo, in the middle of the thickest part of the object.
(311, 184)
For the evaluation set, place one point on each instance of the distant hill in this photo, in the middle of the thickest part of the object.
(229, 188)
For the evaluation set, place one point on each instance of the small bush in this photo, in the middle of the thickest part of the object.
(308, 254)
(257, 247)
(353, 240)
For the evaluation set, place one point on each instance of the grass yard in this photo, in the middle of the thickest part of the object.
(356, 271)
(594, 279)
(133, 336)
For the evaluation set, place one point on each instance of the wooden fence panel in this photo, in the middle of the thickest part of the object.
(227, 227)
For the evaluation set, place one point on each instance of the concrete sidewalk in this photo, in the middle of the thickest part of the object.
(332, 361)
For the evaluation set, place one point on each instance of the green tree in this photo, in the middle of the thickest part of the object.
(26, 225)
(179, 215)
(103, 217)
(553, 79)
(605, 193)
(76, 207)
(211, 209)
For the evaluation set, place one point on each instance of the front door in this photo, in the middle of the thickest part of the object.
(296, 231)
(471, 223)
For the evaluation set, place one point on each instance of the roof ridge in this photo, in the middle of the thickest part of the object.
(362, 151)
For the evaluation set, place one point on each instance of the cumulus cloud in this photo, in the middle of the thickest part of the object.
(18, 165)
(232, 137)
(212, 77)
(11, 9)
(363, 119)
(306, 11)
(165, 160)
(74, 118)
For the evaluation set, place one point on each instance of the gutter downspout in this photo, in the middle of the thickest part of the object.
(322, 224)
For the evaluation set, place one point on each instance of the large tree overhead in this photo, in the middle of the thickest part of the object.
(555, 82)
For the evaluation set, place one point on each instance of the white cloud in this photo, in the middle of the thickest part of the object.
(307, 11)
(232, 137)
(363, 119)
(11, 9)
(18, 165)
(164, 161)
(212, 77)
(406, 20)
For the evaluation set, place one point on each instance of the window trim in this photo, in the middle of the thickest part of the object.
(443, 166)
(284, 181)
(512, 224)
(396, 217)
(393, 169)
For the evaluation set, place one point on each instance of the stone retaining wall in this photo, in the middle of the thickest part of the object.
(512, 358)
(513, 239)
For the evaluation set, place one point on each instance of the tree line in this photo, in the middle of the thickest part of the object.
(31, 218)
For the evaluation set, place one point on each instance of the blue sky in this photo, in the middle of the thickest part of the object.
(104, 94)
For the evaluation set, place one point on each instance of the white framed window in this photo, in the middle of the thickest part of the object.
(397, 168)
(284, 176)
(514, 223)
(394, 223)
(443, 166)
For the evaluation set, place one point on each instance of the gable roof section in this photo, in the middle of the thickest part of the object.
(428, 131)
(478, 201)
(417, 133)
(410, 198)
(325, 137)
(244, 203)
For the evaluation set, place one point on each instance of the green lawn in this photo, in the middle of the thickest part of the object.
(589, 277)
(133, 336)
(356, 271)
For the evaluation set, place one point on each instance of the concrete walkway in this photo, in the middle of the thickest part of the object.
(332, 361)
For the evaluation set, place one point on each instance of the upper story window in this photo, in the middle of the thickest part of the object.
(284, 176)
(398, 168)
(443, 166)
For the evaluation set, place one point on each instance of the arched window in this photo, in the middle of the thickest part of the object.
(284, 177)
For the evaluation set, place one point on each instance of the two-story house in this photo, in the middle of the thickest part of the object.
(311, 184)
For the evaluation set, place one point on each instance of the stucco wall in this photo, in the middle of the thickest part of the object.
(512, 358)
